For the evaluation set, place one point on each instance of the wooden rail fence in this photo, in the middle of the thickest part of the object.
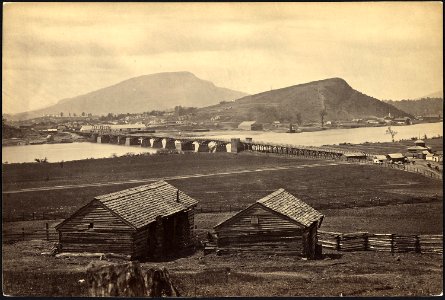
(364, 241)
(47, 234)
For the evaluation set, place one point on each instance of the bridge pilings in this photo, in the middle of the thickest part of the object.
(168, 143)
(156, 142)
(184, 145)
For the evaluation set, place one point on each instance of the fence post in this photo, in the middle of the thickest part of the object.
(47, 231)
(338, 238)
(418, 249)
(33, 216)
(366, 242)
(23, 233)
(392, 243)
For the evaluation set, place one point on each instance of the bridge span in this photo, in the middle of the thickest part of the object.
(234, 145)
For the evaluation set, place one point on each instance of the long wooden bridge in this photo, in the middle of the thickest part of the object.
(233, 145)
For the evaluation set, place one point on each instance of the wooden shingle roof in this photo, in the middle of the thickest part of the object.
(139, 206)
(290, 206)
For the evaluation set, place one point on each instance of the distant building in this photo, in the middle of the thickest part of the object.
(403, 121)
(379, 159)
(420, 143)
(250, 125)
(354, 156)
(118, 128)
(395, 157)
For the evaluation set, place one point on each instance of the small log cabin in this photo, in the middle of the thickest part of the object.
(278, 223)
(151, 220)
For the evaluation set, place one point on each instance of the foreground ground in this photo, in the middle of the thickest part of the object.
(352, 198)
(27, 273)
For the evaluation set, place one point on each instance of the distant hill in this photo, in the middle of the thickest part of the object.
(304, 103)
(145, 93)
(421, 107)
(438, 94)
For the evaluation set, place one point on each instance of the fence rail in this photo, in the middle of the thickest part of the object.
(48, 234)
(364, 241)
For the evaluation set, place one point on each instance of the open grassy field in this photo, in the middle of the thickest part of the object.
(436, 144)
(322, 186)
(26, 273)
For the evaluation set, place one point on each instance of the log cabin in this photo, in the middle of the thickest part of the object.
(277, 224)
(151, 220)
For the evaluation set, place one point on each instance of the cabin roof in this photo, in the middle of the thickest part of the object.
(290, 206)
(140, 205)
(287, 205)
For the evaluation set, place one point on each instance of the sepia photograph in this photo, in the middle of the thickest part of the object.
(210, 149)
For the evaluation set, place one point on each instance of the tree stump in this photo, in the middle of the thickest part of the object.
(128, 280)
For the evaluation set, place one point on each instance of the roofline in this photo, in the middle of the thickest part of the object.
(73, 215)
(268, 209)
(238, 213)
(77, 212)
(287, 217)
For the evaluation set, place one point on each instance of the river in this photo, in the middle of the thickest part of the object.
(77, 151)
(335, 136)
(67, 152)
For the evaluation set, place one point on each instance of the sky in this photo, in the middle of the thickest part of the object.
(388, 50)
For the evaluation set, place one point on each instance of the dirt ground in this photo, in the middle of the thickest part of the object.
(28, 273)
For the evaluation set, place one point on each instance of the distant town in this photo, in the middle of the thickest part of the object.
(62, 128)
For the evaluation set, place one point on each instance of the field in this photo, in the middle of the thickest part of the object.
(26, 273)
(352, 198)
(436, 144)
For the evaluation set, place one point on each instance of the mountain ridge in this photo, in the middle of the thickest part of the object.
(156, 91)
(305, 102)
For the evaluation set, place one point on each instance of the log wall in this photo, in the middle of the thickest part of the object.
(108, 233)
(273, 233)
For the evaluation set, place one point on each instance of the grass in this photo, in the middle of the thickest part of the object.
(27, 273)
(352, 197)
(28, 175)
(323, 187)
(436, 144)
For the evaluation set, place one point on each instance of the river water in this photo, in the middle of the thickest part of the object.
(77, 151)
(67, 152)
(335, 136)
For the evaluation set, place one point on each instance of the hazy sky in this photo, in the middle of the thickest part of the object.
(58, 50)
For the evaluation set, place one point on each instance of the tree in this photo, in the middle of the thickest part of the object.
(391, 132)
(323, 113)
(83, 114)
(61, 114)
(299, 119)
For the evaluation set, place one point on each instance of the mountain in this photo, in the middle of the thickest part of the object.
(304, 103)
(438, 94)
(145, 93)
(421, 107)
